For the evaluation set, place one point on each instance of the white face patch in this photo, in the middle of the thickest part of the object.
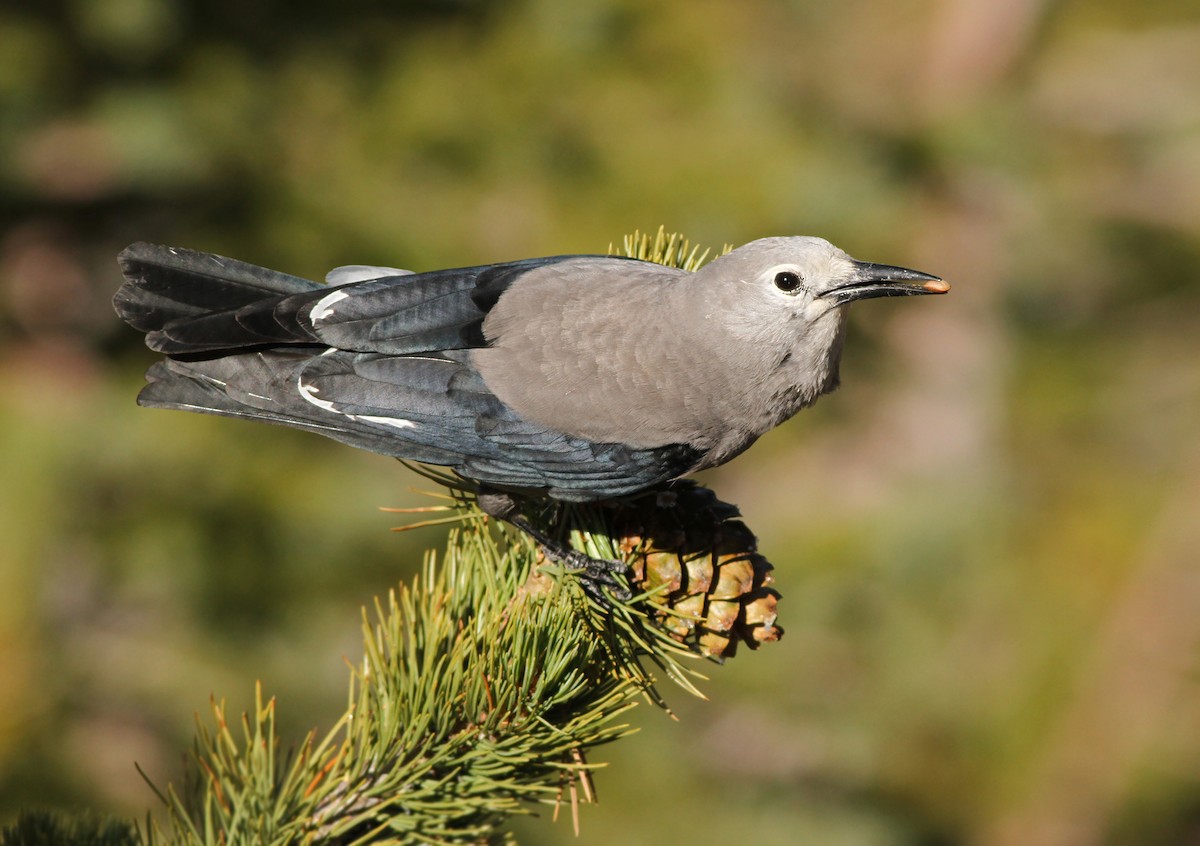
(324, 307)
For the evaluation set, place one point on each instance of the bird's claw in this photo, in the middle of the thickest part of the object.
(599, 577)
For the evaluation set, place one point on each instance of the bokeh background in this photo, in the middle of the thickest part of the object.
(988, 540)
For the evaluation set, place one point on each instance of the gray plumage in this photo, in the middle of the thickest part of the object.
(584, 377)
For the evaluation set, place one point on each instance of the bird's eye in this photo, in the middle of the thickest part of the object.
(787, 281)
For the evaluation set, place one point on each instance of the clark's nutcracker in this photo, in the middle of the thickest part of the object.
(579, 377)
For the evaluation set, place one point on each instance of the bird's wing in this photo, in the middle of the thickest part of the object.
(430, 407)
(381, 363)
(440, 401)
(439, 310)
(192, 303)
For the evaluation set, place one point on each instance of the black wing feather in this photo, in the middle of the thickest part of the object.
(436, 419)
(192, 303)
(381, 364)
(439, 310)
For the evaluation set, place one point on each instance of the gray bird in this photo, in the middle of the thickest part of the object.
(578, 377)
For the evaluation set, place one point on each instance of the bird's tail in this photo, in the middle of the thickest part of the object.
(239, 344)
(191, 302)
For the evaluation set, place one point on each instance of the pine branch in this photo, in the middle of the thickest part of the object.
(484, 684)
(478, 692)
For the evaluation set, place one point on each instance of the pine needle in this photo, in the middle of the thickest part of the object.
(424, 509)
(441, 521)
(672, 250)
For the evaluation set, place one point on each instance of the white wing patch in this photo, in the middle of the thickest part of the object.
(397, 422)
(310, 393)
(324, 307)
(361, 273)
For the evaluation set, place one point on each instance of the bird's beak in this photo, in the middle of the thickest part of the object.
(884, 280)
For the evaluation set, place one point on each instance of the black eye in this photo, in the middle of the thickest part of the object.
(787, 281)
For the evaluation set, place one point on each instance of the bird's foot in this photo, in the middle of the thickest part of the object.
(600, 578)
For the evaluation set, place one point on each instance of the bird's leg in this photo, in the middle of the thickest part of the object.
(596, 575)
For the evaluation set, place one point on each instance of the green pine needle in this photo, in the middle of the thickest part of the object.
(672, 249)
(38, 828)
(482, 686)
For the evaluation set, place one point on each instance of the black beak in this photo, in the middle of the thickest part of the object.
(884, 280)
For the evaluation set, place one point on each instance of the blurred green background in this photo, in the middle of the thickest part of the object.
(988, 540)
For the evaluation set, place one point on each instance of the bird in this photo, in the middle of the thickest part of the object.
(577, 378)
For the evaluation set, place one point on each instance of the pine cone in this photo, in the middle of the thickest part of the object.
(712, 587)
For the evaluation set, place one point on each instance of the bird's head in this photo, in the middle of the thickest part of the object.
(807, 278)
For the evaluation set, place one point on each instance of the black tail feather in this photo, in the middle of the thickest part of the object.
(166, 284)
